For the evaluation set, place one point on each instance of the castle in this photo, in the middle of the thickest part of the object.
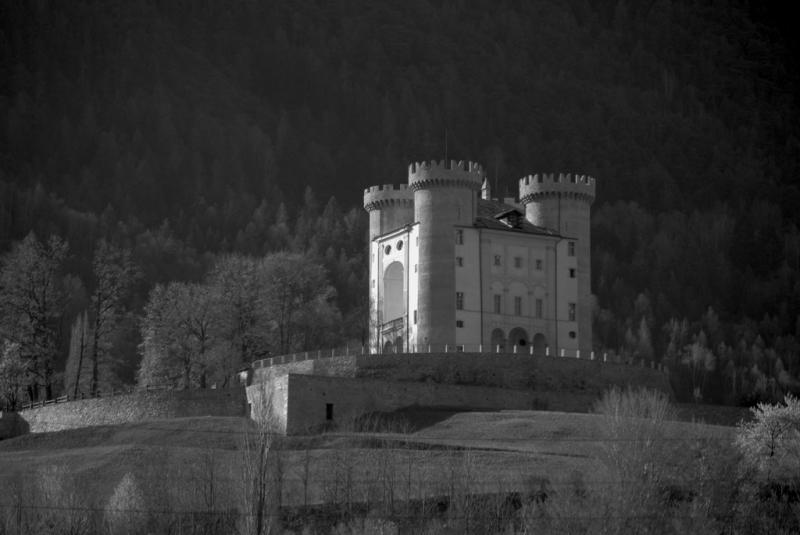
(452, 269)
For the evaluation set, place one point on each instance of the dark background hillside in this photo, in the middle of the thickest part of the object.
(188, 129)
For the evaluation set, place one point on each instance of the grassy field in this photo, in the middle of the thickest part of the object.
(193, 464)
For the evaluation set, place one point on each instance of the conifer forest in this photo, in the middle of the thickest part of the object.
(189, 174)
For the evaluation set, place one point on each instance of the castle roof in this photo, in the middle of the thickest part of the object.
(491, 213)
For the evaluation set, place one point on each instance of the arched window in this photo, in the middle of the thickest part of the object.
(393, 292)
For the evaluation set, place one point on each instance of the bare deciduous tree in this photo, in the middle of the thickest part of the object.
(30, 305)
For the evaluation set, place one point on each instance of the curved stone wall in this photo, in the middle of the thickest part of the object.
(134, 407)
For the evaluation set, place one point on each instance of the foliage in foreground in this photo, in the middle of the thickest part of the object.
(656, 480)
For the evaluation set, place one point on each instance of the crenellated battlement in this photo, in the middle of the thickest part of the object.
(381, 196)
(534, 187)
(452, 173)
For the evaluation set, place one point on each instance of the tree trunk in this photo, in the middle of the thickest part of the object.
(95, 355)
(80, 361)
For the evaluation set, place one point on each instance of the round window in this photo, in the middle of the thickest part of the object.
(388, 249)
(400, 245)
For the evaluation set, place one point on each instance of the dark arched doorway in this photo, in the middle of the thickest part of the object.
(518, 337)
(498, 340)
(539, 345)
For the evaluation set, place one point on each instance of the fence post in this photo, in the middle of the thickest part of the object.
(563, 354)
(591, 355)
(577, 353)
(445, 348)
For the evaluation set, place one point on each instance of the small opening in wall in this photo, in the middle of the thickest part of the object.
(400, 245)
(387, 249)
(329, 411)
(572, 334)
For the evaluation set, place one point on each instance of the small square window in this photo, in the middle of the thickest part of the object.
(539, 264)
(518, 262)
(459, 237)
(498, 260)
(571, 248)
(459, 300)
(460, 261)
(573, 334)
(459, 324)
(571, 273)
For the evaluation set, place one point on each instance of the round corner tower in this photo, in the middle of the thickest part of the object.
(445, 197)
(563, 203)
(390, 207)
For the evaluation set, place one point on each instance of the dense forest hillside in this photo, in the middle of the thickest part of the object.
(183, 131)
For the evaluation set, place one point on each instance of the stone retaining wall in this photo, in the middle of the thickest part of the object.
(303, 403)
(134, 407)
(518, 372)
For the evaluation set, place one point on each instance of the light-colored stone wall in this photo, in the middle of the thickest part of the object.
(519, 372)
(268, 402)
(135, 407)
(309, 395)
(360, 384)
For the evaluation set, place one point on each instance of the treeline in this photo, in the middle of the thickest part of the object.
(186, 131)
(132, 315)
(712, 294)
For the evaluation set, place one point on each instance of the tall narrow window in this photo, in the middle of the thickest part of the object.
(415, 317)
(571, 248)
(571, 273)
(498, 260)
(497, 304)
(539, 264)
(518, 262)
(539, 309)
(517, 305)
(460, 261)
(459, 237)
(459, 300)
(571, 312)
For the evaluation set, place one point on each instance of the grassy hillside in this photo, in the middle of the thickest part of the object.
(500, 451)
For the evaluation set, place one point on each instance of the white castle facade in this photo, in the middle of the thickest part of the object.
(452, 269)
